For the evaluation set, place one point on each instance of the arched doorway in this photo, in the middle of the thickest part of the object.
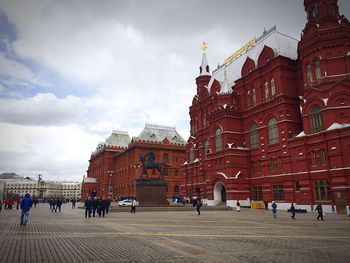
(219, 194)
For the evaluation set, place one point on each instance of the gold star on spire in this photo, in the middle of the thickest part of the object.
(204, 46)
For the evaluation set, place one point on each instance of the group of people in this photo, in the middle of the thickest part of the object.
(25, 204)
(292, 209)
(99, 205)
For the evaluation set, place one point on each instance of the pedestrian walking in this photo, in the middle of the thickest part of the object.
(319, 209)
(94, 206)
(88, 205)
(238, 206)
(198, 205)
(133, 206)
(274, 209)
(59, 204)
(54, 205)
(292, 210)
(101, 207)
(107, 204)
(266, 203)
(0, 205)
(26, 204)
(73, 203)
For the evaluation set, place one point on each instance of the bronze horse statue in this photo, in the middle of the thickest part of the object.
(148, 162)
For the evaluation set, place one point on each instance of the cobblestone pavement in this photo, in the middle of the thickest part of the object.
(182, 236)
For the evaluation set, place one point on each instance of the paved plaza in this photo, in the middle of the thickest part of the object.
(181, 236)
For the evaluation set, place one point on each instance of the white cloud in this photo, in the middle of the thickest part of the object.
(15, 71)
(58, 152)
(42, 109)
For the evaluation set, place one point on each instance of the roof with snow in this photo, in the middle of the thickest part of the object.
(157, 133)
(281, 45)
(89, 180)
(118, 139)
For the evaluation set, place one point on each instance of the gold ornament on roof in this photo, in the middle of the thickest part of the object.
(204, 46)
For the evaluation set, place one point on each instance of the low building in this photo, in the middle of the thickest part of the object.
(115, 164)
(43, 189)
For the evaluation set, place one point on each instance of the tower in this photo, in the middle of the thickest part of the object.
(324, 63)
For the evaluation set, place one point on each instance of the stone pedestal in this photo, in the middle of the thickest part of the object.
(151, 192)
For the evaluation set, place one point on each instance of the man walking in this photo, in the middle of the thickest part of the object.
(133, 206)
(198, 205)
(320, 212)
(88, 205)
(94, 206)
(26, 204)
(266, 203)
(292, 210)
(274, 209)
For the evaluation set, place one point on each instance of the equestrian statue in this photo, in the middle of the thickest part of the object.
(148, 162)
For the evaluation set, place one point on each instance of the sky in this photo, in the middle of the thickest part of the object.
(73, 71)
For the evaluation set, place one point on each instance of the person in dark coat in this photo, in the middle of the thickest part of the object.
(198, 205)
(107, 204)
(292, 210)
(102, 207)
(54, 205)
(274, 209)
(73, 203)
(88, 205)
(94, 206)
(266, 204)
(26, 204)
(319, 209)
(59, 204)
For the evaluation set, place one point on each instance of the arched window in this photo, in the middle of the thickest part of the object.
(266, 90)
(254, 137)
(273, 88)
(248, 98)
(254, 96)
(206, 149)
(165, 158)
(273, 131)
(318, 70)
(191, 154)
(309, 74)
(218, 140)
(316, 119)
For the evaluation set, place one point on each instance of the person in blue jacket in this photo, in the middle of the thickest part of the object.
(26, 204)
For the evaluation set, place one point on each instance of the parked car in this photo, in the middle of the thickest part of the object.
(125, 202)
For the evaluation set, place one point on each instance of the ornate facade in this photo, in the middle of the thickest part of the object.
(273, 122)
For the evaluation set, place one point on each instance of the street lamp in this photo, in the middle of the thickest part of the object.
(39, 180)
(110, 189)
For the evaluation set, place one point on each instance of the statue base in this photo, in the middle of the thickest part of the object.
(151, 192)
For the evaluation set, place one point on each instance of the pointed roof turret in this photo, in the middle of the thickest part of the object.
(204, 67)
(225, 87)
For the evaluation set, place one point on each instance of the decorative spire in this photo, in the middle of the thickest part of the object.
(225, 88)
(204, 68)
(204, 46)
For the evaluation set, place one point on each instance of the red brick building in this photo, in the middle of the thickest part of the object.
(273, 121)
(115, 165)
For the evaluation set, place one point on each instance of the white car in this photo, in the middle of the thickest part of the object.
(125, 203)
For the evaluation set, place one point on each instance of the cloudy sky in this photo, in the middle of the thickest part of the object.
(73, 71)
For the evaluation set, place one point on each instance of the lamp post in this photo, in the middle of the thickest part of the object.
(110, 189)
(39, 180)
